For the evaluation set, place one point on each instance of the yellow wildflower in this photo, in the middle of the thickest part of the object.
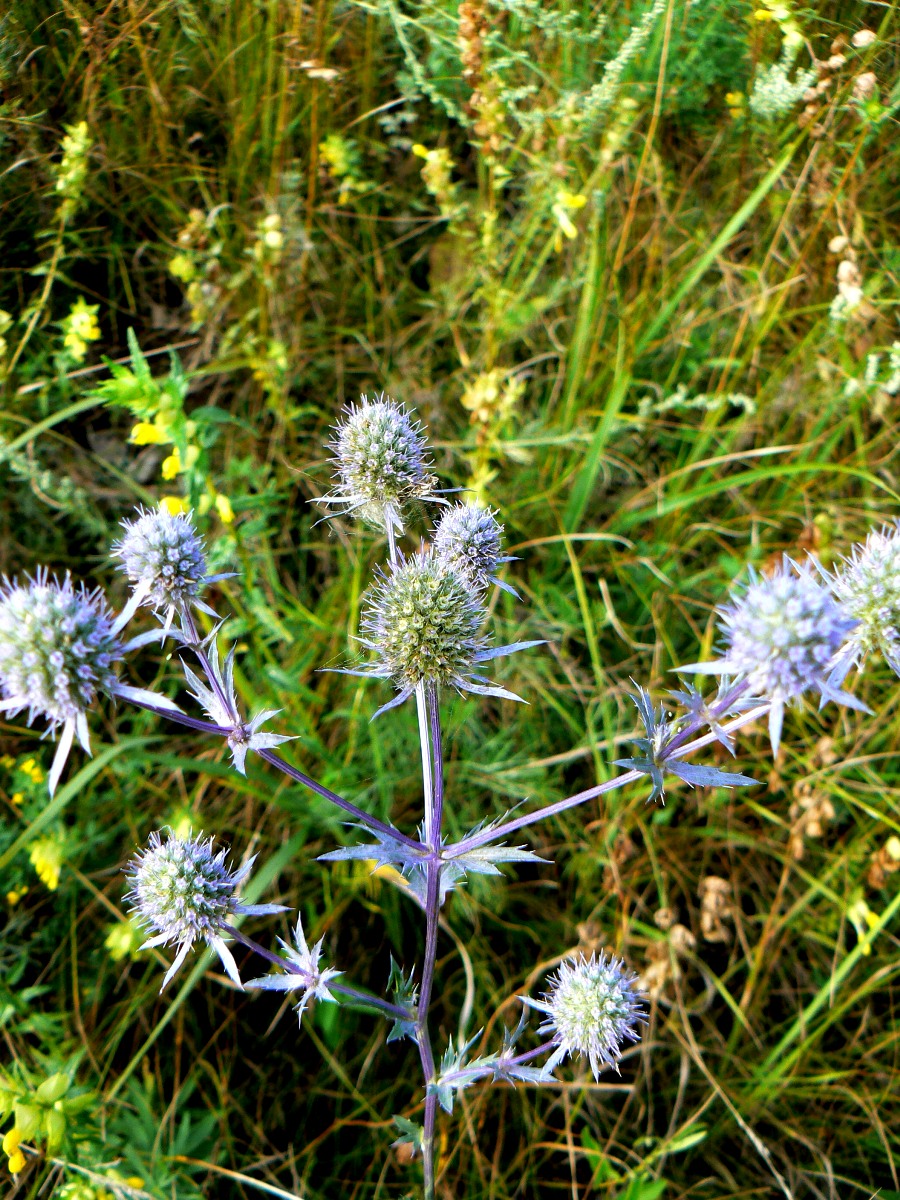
(80, 327)
(17, 798)
(147, 434)
(30, 768)
(864, 921)
(173, 465)
(223, 505)
(567, 202)
(11, 1140)
(182, 267)
(47, 858)
(14, 895)
(173, 505)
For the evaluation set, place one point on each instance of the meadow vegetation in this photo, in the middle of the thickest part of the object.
(635, 266)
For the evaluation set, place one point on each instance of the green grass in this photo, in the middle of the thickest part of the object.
(770, 1063)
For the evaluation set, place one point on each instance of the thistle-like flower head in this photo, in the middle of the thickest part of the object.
(867, 588)
(382, 462)
(423, 622)
(592, 1009)
(303, 973)
(782, 636)
(182, 890)
(58, 648)
(162, 555)
(469, 538)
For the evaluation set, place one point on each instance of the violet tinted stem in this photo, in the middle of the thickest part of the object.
(374, 823)
(551, 810)
(432, 914)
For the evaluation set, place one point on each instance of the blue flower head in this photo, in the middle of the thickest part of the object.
(58, 648)
(867, 587)
(470, 538)
(782, 637)
(423, 622)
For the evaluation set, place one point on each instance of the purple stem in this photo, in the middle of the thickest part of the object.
(394, 1011)
(551, 810)
(432, 914)
(276, 760)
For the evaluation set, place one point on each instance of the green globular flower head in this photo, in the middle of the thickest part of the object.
(592, 1009)
(469, 538)
(423, 621)
(182, 890)
(382, 462)
(867, 589)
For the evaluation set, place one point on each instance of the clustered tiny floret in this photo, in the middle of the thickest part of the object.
(783, 635)
(382, 462)
(868, 589)
(163, 556)
(58, 648)
(593, 1008)
(469, 539)
(182, 890)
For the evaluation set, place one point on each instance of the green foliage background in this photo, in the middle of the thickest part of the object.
(609, 294)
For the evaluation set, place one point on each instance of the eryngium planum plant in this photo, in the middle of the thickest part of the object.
(795, 631)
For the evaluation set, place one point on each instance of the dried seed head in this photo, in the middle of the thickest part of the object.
(592, 1009)
(382, 462)
(469, 538)
(58, 647)
(163, 556)
(423, 621)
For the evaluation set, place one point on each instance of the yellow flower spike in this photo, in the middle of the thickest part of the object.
(173, 505)
(46, 857)
(145, 434)
(223, 506)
